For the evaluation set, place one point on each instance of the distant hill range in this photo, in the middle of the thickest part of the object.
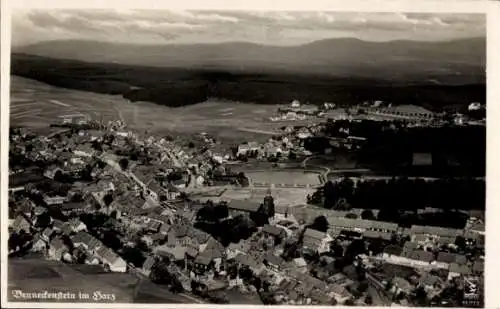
(451, 62)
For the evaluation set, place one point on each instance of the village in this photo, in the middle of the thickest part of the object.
(99, 194)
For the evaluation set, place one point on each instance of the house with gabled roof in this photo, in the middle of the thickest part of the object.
(300, 265)
(436, 231)
(57, 225)
(342, 223)
(234, 249)
(148, 264)
(272, 230)
(26, 206)
(84, 150)
(66, 229)
(174, 254)
(46, 234)
(57, 249)
(215, 246)
(478, 267)
(77, 225)
(409, 255)
(401, 285)
(172, 192)
(106, 186)
(21, 224)
(340, 279)
(244, 206)
(39, 210)
(54, 200)
(444, 259)
(273, 262)
(340, 294)
(51, 171)
(430, 282)
(458, 270)
(39, 244)
(370, 234)
(111, 259)
(255, 266)
(87, 241)
(316, 240)
(203, 263)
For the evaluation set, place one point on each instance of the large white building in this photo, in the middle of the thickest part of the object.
(403, 112)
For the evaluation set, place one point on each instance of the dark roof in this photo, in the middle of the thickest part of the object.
(20, 220)
(433, 230)
(149, 262)
(179, 230)
(24, 178)
(478, 266)
(178, 182)
(460, 269)
(409, 246)
(58, 223)
(314, 234)
(244, 205)
(47, 232)
(142, 211)
(172, 188)
(393, 250)
(215, 246)
(155, 186)
(57, 243)
(422, 159)
(203, 259)
(191, 251)
(271, 229)
(447, 257)
(72, 205)
(273, 259)
(178, 253)
(429, 279)
(107, 255)
(377, 234)
(81, 237)
(421, 255)
(246, 260)
(67, 228)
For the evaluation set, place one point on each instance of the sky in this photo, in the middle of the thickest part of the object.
(270, 28)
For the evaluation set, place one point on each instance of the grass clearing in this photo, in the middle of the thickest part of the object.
(231, 121)
(295, 177)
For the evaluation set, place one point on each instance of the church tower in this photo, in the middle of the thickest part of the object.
(269, 207)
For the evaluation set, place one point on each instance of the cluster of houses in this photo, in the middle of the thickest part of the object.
(280, 147)
(53, 242)
(145, 201)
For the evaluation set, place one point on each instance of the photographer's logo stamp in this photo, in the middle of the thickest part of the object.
(472, 292)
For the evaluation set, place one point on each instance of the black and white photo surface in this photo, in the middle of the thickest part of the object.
(247, 157)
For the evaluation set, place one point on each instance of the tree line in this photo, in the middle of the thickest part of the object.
(402, 194)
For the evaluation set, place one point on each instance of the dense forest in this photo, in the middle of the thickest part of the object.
(454, 150)
(396, 196)
(178, 86)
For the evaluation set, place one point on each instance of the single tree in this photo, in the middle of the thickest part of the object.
(123, 163)
(320, 224)
(367, 214)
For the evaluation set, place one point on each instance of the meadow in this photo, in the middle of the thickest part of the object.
(35, 104)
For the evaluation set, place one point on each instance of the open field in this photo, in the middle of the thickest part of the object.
(283, 197)
(292, 177)
(37, 104)
(31, 275)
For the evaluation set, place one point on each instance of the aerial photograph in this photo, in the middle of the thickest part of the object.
(247, 157)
